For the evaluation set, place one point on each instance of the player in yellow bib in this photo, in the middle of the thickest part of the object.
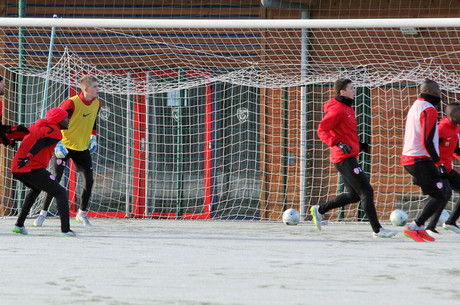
(78, 142)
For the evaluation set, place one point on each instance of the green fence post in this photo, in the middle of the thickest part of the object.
(363, 116)
(21, 91)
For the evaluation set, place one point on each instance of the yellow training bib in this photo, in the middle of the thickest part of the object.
(80, 125)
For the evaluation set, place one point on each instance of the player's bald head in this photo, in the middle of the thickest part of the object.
(430, 87)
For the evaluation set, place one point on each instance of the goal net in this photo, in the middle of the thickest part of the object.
(211, 120)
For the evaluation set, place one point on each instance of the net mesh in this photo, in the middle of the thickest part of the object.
(208, 123)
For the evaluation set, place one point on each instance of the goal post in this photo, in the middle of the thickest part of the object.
(217, 119)
(233, 23)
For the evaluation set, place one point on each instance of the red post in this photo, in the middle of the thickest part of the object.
(139, 151)
(208, 153)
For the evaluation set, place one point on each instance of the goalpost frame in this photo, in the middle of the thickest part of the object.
(231, 23)
(303, 24)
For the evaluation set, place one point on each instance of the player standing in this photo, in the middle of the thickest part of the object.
(338, 130)
(78, 142)
(420, 155)
(29, 166)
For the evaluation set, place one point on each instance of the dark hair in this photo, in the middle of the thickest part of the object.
(429, 86)
(341, 84)
(1, 78)
(451, 108)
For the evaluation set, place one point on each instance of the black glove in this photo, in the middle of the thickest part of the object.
(365, 147)
(457, 150)
(345, 148)
(4, 139)
(21, 128)
(6, 128)
(442, 171)
(23, 161)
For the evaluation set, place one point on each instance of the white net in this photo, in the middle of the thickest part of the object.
(212, 123)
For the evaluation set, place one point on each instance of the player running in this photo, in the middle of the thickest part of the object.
(420, 155)
(338, 130)
(29, 166)
(448, 129)
(78, 142)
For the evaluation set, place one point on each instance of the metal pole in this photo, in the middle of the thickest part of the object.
(363, 115)
(234, 23)
(147, 144)
(303, 120)
(21, 89)
(128, 146)
(285, 144)
(179, 173)
(48, 68)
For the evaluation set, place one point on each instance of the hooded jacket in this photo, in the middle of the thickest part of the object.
(38, 145)
(339, 125)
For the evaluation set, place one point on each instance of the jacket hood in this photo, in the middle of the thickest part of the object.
(42, 122)
(56, 115)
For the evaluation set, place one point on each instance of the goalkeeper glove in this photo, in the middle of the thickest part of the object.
(92, 144)
(60, 151)
(345, 148)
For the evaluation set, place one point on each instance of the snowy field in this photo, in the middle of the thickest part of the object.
(216, 262)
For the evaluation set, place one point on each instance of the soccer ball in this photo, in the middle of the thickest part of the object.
(291, 217)
(443, 218)
(399, 218)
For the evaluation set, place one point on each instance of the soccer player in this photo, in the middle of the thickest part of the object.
(448, 129)
(29, 166)
(78, 142)
(338, 130)
(420, 155)
(9, 134)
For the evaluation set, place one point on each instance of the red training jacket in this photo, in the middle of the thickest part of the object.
(339, 125)
(43, 131)
(448, 142)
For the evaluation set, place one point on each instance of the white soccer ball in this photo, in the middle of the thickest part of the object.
(399, 218)
(443, 218)
(291, 217)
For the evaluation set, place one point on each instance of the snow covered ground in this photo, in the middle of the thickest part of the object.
(120, 261)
